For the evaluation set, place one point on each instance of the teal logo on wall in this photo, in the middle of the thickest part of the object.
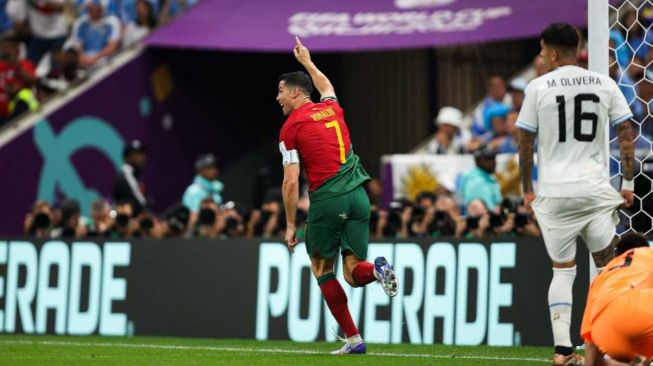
(58, 173)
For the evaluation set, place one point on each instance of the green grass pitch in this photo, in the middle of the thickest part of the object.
(18, 350)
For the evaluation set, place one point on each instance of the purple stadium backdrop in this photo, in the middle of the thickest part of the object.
(77, 151)
(339, 25)
(170, 100)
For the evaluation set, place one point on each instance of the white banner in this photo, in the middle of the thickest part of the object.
(414, 173)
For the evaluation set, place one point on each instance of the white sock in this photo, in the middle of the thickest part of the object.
(355, 339)
(560, 300)
(377, 275)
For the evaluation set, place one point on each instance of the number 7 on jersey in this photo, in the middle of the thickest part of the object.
(341, 143)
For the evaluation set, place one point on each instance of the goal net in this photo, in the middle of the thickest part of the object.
(631, 66)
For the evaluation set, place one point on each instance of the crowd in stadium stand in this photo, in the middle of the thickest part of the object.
(49, 44)
(493, 123)
(430, 216)
(433, 215)
(632, 61)
(203, 213)
(477, 208)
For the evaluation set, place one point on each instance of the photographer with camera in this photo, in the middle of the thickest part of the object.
(477, 223)
(233, 219)
(525, 223)
(123, 224)
(100, 222)
(39, 220)
(266, 221)
(449, 207)
(175, 220)
(502, 221)
(421, 214)
(149, 226)
(211, 222)
(436, 216)
(394, 222)
(438, 223)
(511, 218)
(70, 224)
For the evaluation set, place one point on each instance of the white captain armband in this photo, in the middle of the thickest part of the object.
(288, 156)
(627, 185)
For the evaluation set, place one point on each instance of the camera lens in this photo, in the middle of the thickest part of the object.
(521, 219)
(472, 222)
(265, 215)
(207, 216)
(496, 220)
(146, 224)
(232, 223)
(418, 211)
(41, 221)
(122, 220)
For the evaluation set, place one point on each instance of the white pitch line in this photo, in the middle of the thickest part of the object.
(260, 350)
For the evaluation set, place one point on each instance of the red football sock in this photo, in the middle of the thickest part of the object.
(363, 273)
(336, 299)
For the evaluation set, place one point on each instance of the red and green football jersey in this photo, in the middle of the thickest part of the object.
(317, 132)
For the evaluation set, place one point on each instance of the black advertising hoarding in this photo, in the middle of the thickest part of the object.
(464, 293)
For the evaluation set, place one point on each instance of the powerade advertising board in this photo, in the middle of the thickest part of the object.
(451, 292)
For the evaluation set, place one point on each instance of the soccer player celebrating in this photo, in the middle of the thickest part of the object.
(618, 320)
(339, 214)
(568, 110)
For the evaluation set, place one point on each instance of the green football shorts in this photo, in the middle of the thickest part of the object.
(341, 222)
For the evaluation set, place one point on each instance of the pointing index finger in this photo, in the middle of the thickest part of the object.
(297, 41)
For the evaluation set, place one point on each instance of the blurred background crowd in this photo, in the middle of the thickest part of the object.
(481, 211)
(46, 45)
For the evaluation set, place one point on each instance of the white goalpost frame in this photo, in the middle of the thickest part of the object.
(598, 36)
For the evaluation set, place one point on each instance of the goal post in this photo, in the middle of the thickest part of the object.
(598, 35)
(604, 20)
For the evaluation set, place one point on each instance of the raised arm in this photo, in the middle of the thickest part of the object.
(321, 82)
(526, 147)
(627, 150)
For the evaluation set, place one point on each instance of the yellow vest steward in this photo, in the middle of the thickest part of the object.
(28, 97)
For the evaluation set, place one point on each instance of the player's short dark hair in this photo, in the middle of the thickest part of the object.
(562, 36)
(630, 241)
(298, 79)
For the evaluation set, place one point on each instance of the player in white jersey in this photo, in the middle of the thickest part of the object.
(568, 110)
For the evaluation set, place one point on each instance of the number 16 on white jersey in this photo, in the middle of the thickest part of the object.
(569, 109)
